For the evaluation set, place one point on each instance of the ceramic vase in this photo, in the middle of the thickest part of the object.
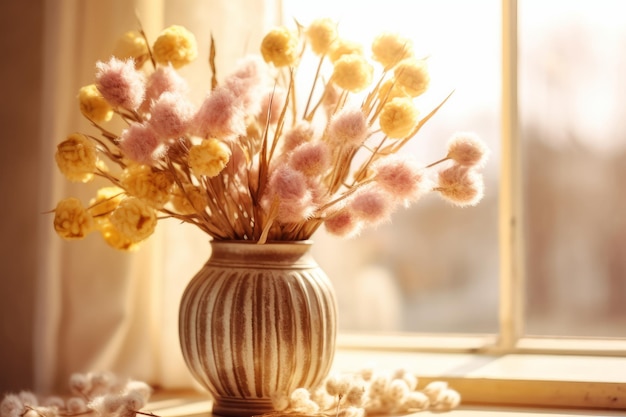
(256, 322)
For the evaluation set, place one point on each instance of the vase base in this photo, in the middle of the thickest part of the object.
(242, 407)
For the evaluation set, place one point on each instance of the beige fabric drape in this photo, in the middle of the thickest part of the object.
(99, 309)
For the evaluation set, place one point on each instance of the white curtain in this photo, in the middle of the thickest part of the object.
(99, 309)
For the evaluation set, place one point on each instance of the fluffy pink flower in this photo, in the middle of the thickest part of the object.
(139, 143)
(460, 185)
(272, 103)
(400, 176)
(164, 79)
(342, 223)
(120, 83)
(348, 127)
(290, 187)
(171, 115)
(247, 81)
(371, 205)
(220, 116)
(312, 159)
(467, 149)
(297, 135)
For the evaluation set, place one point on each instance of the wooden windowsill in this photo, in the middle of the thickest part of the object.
(512, 385)
(194, 404)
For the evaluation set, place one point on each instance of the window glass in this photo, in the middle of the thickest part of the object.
(435, 267)
(572, 63)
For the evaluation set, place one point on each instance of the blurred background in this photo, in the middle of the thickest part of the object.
(435, 268)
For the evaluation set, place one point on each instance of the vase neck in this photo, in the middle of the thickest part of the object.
(274, 255)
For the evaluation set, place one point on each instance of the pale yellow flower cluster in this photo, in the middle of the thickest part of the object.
(131, 45)
(398, 117)
(411, 76)
(106, 200)
(353, 72)
(343, 47)
(77, 158)
(208, 158)
(321, 34)
(92, 105)
(143, 182)
(175, 45)
(134, 219)
(71, 219)
(390, 48)
(188, 200)
(281, 47)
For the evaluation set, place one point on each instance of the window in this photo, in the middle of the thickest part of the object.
(436, 268)
(425, 270)
(537, 267)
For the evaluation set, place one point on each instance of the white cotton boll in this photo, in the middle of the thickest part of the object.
(46, 412)
(76, 405)
(378, 386)
(416, 401)
(434, 390)
(355, 395)
(299, 396)
(11, 406)
(79, 384)
(398, 390)
(133, 401)
(30, 413)
(54, 401)
(101, 382)
(106, 404)
(448, 400)
(332, 385)
(139, 387)
(411, 381)
(374, 406)
(306, 407)
(28, 398)
(366, 373)
(351, 412)
(322, 398)
(398, 373)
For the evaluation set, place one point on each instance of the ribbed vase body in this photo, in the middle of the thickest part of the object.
(257, 321)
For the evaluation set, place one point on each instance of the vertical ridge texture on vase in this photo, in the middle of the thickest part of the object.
(257, 321)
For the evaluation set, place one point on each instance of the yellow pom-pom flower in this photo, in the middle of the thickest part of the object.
(134, 219)
(321, 34)
(390, 89)
(71, 219)
(390, 48)
(412, 76)
(114, 238)
(208, 158)
(106, 200)
(131, 45)
(189, 200)
(353, 73)
(398, 118)
(175, 45)
(76, 158)
(152, 186)
(280, 47)
(343, 47)
(92, 105)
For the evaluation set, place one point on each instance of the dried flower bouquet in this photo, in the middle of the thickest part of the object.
(255, 160)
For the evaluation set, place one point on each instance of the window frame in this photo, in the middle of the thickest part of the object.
(557, 385)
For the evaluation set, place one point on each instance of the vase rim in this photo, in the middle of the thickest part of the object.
(305, 242)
